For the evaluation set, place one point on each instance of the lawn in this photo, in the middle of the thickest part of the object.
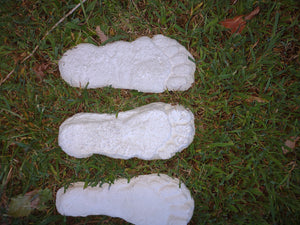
(245, 100)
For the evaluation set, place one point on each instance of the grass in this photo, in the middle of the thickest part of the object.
(245, 100)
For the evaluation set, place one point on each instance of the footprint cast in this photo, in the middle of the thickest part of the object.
(153, 131)
(146, 199)
(147, 65)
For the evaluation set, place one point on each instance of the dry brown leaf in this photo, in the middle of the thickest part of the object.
(101, 35)
(23, 205)
(290, 143)
(238, 23)
(34, 200)
(40, 70)
(257, 99)
(252, 14)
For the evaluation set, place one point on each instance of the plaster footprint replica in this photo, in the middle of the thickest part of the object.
(146, 199)
(154, 131)
(147, 65)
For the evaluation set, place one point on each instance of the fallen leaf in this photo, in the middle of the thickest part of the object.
(19, 206)
(40, 70)
(290, 143)
(257, 99)
(23, 205)
(252, 14)
(101, 35)
(238, 23)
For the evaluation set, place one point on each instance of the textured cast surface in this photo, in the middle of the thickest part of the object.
(147, 65)
(146, 199)
(154, 131)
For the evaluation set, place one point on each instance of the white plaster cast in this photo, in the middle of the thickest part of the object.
(147, 65)
(145, 200)
(154, 131)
